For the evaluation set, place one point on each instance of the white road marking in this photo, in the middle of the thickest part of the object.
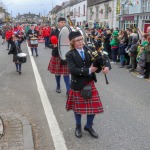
(56, 133)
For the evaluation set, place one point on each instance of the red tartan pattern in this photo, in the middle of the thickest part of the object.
(79, 105)
(31, 45)
(55, 66)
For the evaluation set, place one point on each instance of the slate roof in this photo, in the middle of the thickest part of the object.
(94, 2)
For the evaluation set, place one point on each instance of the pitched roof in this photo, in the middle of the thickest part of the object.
(94, 2)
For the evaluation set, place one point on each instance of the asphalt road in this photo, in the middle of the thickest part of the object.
(124, 125)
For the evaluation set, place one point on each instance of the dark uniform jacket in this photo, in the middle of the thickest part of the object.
(55, 52)
(79, 69)
(30, 33)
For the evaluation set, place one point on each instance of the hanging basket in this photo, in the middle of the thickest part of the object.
(109, 9)
(101, 11)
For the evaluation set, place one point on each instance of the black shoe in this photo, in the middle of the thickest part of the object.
(19, 72)
(131, 70)
(145, 77)
(37, 55)
(58, 90)
(78, 132)
(7, 49)
(91, 132)
(129, 66)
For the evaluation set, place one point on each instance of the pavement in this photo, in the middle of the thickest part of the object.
(17, 132)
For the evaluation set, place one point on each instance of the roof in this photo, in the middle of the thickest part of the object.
(94, 2)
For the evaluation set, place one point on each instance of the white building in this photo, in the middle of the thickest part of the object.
(102, 12)
(78, 12)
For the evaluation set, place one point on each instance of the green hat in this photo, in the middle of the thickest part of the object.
(115, 33)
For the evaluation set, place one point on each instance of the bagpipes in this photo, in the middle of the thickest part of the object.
(100, 60)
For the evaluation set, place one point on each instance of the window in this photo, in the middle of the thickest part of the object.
(79, 11)
(145, 6)
(106, 11)
(84, 10)
(125, 9)
(91, 13)
(97, 12)
(74, 12)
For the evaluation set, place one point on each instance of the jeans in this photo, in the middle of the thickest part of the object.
(114, 53)
(122, 59)
(46, 38)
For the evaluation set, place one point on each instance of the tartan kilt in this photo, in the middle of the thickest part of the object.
(55, 67)
(79, 105)
(32, 45)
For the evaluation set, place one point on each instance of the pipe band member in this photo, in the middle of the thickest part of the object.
(55, 66)
(32, 33)
(82, 73)
(15, 49)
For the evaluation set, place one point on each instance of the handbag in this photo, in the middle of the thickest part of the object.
(63, 62)
(86, 92)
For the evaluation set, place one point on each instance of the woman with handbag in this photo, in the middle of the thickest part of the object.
(83, 97)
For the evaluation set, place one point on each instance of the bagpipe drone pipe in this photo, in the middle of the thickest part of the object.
(100, 60)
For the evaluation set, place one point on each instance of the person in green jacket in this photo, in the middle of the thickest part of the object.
(114, 46)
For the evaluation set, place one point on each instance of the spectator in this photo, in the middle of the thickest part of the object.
(147, 66)
(133, 53)
(114, 46)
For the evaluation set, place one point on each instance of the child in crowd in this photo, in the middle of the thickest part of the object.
(141, 59)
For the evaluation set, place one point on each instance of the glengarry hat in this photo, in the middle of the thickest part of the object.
(61, 19)
(74, 34)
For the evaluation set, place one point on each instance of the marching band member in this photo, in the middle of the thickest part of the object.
(33, 33)
(55, 65)
(15, 42)
(82, 73)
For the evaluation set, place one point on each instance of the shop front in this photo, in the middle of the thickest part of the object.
(128, 22)
(144, 21)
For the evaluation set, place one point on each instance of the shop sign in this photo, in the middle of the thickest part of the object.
(118, 7)
(129, 18)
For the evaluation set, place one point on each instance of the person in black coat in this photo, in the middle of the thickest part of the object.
(107, 46)
(82, 74)
(32, 33)
(15, 42)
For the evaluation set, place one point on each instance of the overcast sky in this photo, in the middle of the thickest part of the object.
(34, 6)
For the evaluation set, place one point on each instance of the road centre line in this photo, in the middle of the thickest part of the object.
(57, 136)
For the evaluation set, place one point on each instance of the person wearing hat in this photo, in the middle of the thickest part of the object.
(32, 33)
(114, 46)
(82, 73)
(55, 65)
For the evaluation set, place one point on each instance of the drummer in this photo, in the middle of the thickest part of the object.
(15, 49)
(55, 65)
(32, 33)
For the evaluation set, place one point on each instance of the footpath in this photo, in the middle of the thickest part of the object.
(15, 132)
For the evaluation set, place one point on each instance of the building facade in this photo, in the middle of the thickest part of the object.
(78, 12)
(101, 12)
(135, 14)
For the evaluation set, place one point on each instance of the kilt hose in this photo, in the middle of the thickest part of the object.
(55, 67)
(79, 105)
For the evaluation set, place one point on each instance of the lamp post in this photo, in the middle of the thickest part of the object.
(11, 10)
